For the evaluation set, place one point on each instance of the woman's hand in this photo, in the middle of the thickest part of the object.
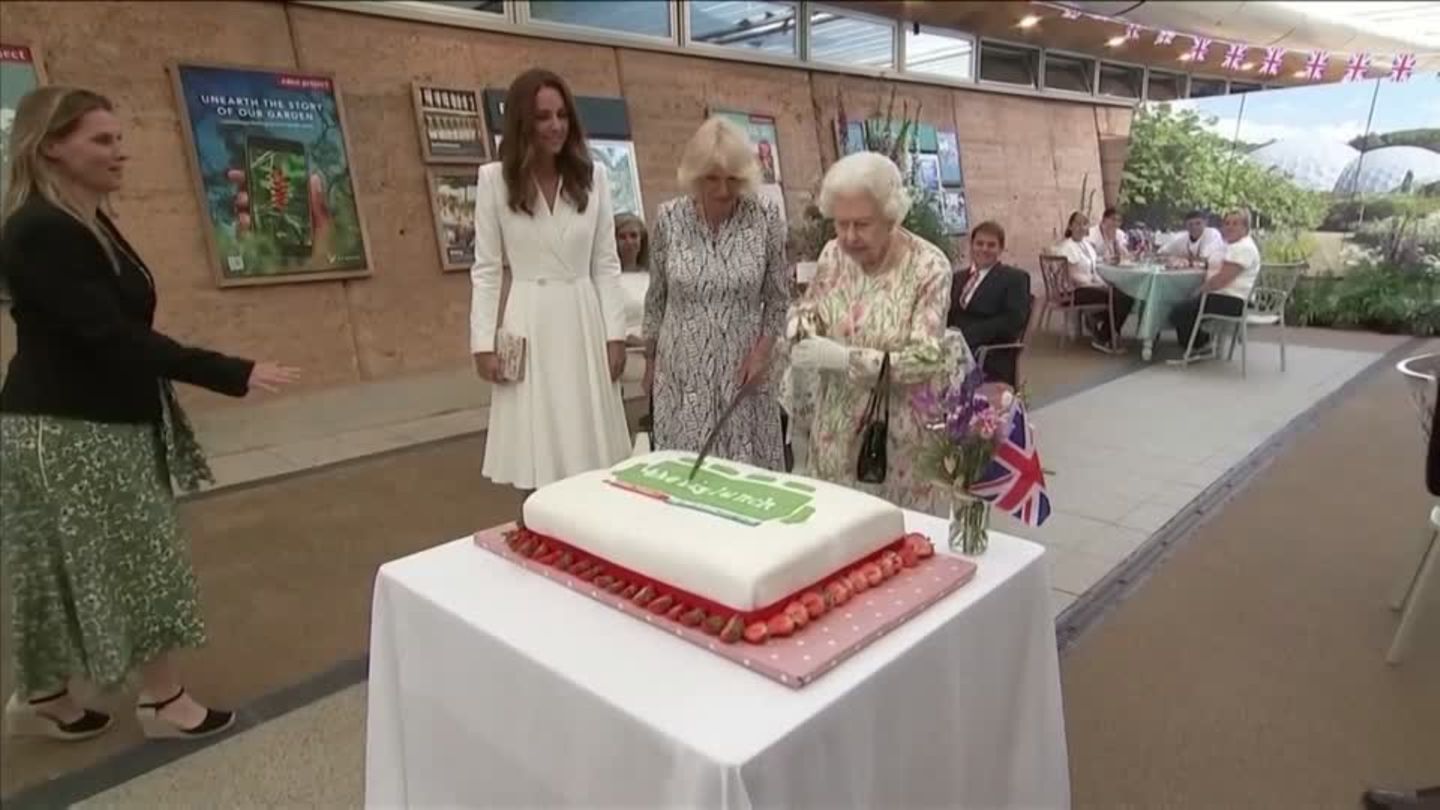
(616, 351)
(487, 365)
(822, 354)
(272, 377)
(757, 362)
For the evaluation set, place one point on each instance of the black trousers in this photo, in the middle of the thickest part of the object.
(1101, 295)
(1185, 314)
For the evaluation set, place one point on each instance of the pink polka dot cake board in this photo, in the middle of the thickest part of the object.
(812, 651)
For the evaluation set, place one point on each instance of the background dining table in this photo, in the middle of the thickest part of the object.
(1156, 290)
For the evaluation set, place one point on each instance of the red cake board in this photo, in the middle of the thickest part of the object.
(817, 649)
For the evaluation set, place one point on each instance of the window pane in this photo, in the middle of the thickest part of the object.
(850, 40)
(1165, 86)
(1121, 80)
(1244, 87)
(758, 26)
(1009, 64)
(1068, 73)
(648, 17)
(930, 50)
(1200, 88)
(487, 6)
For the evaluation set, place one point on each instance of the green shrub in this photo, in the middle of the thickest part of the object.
(1372, 297)
(1285, 247)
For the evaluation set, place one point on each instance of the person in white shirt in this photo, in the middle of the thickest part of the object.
(1198, 246)
(632, 241)
(1110, 243)
(1226, 290)
(1090, 288)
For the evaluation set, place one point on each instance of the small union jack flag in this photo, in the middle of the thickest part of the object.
(1164, 37)
(1069, 14)
(1356, 67)
(1202, 47)
(1234, 57)
(1403, 67)
(1132, 31)
(1273, 58)
(1316, 64)
(1014, 480)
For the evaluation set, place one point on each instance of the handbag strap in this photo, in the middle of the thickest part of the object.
(883, 385)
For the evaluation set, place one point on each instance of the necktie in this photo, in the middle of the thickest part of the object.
(971, 279)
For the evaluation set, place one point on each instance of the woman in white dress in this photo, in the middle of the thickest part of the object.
(544, 211)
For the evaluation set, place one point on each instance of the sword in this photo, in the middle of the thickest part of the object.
(745, 391)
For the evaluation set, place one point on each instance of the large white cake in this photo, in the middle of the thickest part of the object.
(739, 536)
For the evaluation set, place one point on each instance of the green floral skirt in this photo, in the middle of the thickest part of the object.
(99, 574)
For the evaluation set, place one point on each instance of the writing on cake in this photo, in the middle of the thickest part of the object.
(719, 490)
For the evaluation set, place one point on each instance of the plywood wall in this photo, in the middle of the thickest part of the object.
(1024, 159)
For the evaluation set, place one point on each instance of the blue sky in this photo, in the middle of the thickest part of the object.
(1334, 112)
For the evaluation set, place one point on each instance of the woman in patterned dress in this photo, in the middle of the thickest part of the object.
(90, 436)
(718, 294)
(878, 288)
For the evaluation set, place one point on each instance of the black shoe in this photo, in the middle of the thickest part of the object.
(1381, 799)
(157, 727)
(28, 719)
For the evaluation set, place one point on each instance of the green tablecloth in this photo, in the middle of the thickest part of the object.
(1156, 289)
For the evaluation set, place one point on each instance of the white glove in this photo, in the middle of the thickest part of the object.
(821, 354)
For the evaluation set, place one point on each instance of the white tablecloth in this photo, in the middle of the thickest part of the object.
(492, 687)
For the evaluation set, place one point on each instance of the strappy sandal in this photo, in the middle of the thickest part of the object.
(29, 719)
(158, 728)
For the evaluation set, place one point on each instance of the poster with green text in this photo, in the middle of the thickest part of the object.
(19, 74)
(272, 165)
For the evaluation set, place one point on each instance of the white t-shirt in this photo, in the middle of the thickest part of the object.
(1097, 241)
(634, 285)
(1208, 250)
(1246, 254)
(1082, 259)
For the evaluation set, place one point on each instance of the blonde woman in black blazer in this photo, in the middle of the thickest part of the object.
(91, 435)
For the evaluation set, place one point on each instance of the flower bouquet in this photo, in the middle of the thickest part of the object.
(978, 446)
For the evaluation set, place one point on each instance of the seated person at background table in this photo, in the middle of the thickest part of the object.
(1111, 243)
(1198, 246)
(1090, 288)
(1228, 287)
(990, 302)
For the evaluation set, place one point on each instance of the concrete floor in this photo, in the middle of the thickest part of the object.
(323, 530)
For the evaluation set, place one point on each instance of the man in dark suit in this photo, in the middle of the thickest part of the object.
(990, 302)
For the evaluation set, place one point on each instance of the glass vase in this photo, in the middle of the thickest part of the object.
(969, 523)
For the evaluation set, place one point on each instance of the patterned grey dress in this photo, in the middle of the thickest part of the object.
(713, 294)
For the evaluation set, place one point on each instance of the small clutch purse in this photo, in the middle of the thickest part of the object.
(510, 348)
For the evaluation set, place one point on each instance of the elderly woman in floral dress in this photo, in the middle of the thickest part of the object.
(878, 289)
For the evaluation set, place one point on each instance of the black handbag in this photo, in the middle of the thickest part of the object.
(873, 463)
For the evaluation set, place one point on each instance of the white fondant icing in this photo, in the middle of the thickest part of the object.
(740, 566)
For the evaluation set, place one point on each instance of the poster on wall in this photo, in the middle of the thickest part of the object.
(765, 139)
(950, 173)
(602, 117)
(452, 201)
(272, 168)
(451, 125)
(927, 171)
(20, 72)
(953, 213)
(618, 158)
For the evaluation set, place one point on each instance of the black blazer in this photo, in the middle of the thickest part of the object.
(85, 346)
(997, 313)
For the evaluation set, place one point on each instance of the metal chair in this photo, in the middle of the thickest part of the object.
(1018, 347)
(1060, 297)
(1273, 289)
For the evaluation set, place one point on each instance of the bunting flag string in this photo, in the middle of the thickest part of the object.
(1358, 66)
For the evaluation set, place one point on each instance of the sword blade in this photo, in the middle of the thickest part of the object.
(745, 391)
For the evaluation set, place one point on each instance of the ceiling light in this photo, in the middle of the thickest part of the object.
(1115, 42)
(1187, 56)
(1300, 74)
(1029, 21)
(1248, 66)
